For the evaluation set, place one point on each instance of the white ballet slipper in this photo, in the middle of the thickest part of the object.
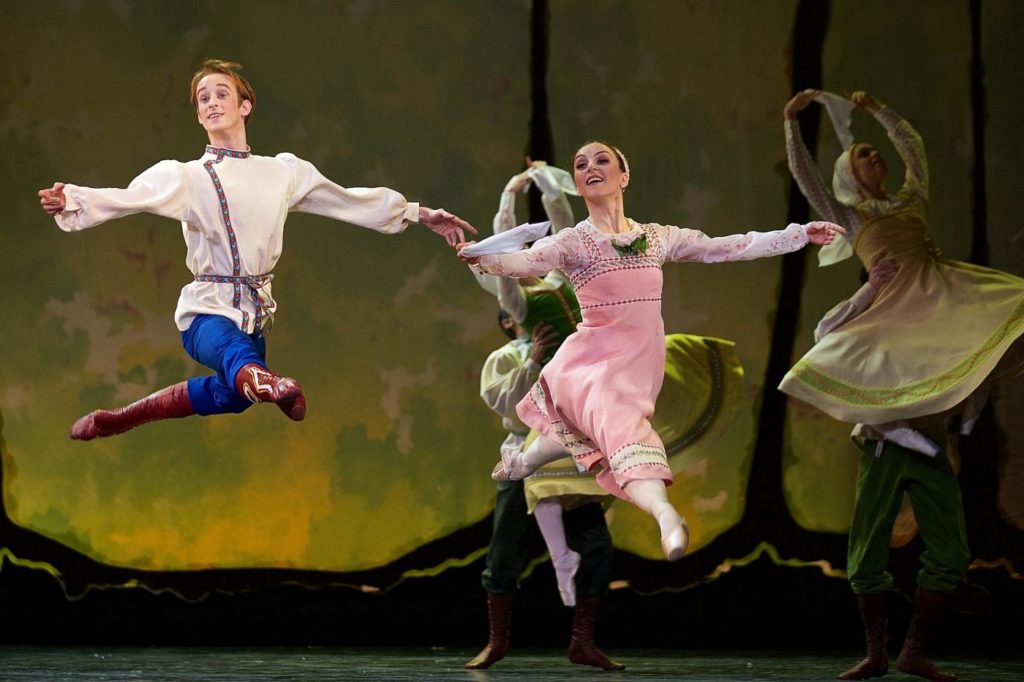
(512, 466)
(675, 542)
(565, 573)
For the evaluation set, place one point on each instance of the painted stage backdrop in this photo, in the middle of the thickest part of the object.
(388, 333)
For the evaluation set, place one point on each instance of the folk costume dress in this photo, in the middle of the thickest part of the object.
(597, 395)
(507, 375)
(232, 207)
(936, 334)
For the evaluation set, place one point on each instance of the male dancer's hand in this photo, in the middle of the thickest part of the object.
(541, 340)
(52, 200)
(447, 225)
(882, 271)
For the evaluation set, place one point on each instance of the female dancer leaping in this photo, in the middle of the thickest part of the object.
(594, 399)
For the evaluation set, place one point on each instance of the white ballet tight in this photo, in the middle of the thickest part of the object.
(542, 451)
(548, 513)
(650, 496)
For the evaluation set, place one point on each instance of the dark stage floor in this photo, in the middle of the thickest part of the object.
(253, 665)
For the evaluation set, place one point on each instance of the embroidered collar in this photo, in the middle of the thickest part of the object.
(223, 151)
(631, 243)
(634, 230)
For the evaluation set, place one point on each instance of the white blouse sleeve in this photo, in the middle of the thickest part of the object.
(681, 244)
(552, 196)
(508, 292)
(547, 254)
(845, 311)
(805, 172)
(376, 208)
(161, 190)
(504, 381)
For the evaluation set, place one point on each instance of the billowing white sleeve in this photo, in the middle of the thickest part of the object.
(376, 208)
(845, 311)
(682, 244)
(552, 196)
(504, 380)
(505, 218)
(161, 190)
(508, 291)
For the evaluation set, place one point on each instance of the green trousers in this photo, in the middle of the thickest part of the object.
(935, 496)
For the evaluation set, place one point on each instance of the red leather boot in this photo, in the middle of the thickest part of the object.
(259, 385)
(167, 403)
(499, 617)
(913, 660)
(582, 648)
(874, 612)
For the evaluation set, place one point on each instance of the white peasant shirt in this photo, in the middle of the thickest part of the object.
(232, 206)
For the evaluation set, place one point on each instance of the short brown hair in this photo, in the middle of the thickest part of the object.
(229, 69)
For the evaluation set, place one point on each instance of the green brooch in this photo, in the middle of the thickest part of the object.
(634, 248)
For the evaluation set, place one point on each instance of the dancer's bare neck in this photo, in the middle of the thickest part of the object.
(609, 216)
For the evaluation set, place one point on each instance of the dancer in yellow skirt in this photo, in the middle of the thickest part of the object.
(926, 343)
(923, 340)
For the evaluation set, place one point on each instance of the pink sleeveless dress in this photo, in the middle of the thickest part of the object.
(597, 395)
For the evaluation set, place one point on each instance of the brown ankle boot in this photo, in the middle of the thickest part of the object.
(259, 385)
(913, 660)
(499, 616)
(582, 649)
(167, 403)
(874, 614)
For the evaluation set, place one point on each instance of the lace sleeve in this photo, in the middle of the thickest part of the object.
(910, 146)
(805, 173)
(681, 244)
(556, 252)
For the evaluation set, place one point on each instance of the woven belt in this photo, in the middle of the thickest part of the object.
(254, 283)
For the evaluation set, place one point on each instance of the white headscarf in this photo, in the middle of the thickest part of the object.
(844, 185)
(840, 111)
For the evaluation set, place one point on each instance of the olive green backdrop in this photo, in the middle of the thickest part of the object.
(388, 334)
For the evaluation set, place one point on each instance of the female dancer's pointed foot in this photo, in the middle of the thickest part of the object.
(512, 467)
(565, 573)
(675, 542)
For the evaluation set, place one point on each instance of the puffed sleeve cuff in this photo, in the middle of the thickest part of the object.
(67, 220)
(412, 212)
(70, 202)
(532, 365)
